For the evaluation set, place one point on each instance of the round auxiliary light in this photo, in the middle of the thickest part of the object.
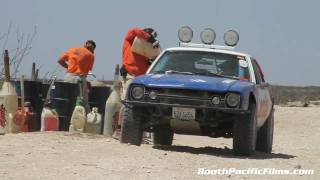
(215, 100)
(185, 34)
(231, 38)
(153, 95)
(137, 92)
(208, 36)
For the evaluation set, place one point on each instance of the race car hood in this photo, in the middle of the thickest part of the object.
(195, 82)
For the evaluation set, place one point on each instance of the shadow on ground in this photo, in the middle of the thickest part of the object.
(222, 152)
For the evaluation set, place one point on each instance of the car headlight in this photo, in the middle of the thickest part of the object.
(137, 92)
(233, 99)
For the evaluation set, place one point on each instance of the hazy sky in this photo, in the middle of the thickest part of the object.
(282, 35)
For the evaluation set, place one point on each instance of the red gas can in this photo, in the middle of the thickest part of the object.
(49, 120)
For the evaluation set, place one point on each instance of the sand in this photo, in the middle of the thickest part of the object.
(61, 155)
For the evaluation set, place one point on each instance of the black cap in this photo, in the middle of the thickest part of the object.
(91, 42)
(151, 31)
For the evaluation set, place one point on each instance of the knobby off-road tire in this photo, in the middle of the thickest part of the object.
(131, 127)
(245, 133)
(162, 136)
(265, 135)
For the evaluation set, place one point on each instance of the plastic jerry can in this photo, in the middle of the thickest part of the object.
(49, 120)
(144, 48)
(93, 124)
(78, 118)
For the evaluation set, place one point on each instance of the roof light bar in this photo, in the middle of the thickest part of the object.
(209, 46)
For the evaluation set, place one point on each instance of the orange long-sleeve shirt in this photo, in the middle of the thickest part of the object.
(80, 60)
(134, 63)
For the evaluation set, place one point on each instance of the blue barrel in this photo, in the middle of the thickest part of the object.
(63, 97)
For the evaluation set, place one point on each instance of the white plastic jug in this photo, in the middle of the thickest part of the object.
(93, 124)
(78, 118)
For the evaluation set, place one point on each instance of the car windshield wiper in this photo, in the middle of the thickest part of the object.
(231, 77)
(218, 75)
(178, 72)
(157, 72)
(171, 72)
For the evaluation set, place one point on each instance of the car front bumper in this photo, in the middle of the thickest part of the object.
(155, 104)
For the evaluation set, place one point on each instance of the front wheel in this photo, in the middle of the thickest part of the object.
(265, 135)
(131, 127)
(245, 133)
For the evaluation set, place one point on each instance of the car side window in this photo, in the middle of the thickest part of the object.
(257, 72)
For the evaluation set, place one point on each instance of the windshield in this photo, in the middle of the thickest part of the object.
(202, 63)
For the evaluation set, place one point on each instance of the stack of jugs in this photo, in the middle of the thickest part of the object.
(93, 124)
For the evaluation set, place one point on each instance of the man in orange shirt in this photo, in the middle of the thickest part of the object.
(134, 64)
(78, 62)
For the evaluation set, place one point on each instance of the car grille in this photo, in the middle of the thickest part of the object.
(184, 97)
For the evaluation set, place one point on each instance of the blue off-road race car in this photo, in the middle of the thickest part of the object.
(201, 89)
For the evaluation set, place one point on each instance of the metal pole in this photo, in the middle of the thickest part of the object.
(6, 66)
(33, 72)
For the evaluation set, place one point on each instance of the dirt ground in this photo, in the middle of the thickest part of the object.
(60, 155)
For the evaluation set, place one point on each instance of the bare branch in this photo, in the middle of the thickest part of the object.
(6, 37)
(24, 45)
(20, 51)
